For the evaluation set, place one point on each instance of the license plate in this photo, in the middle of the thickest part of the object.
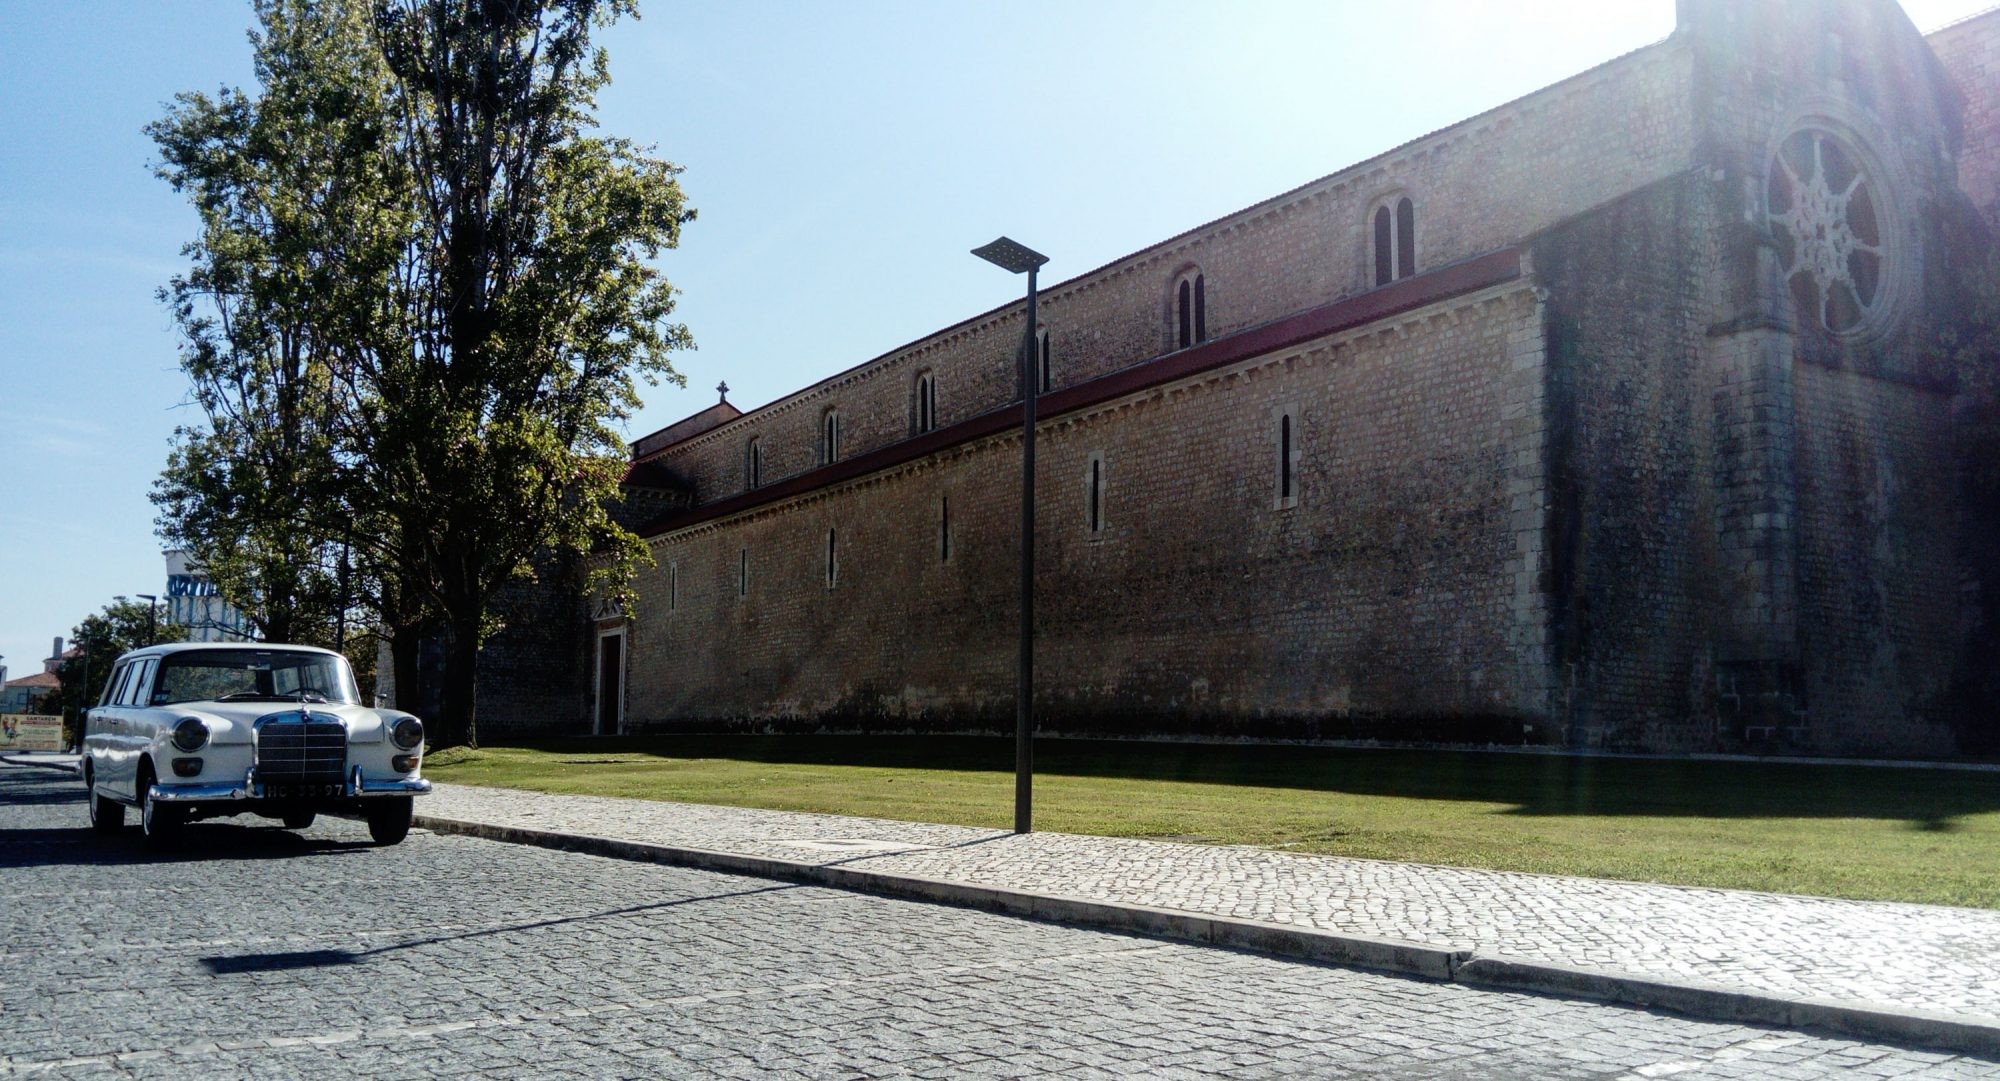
(303, 791)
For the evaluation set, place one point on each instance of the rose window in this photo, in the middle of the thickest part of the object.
(1826, 217)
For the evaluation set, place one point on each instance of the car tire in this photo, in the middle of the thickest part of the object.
(298, 820)
(107, 815)
(389, 819)
(161, 822)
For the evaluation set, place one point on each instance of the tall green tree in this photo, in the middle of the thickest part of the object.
(304, 220)
(425, 293)
(535, 305)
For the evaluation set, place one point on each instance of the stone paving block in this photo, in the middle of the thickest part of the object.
(500, 946)
(1896, 956)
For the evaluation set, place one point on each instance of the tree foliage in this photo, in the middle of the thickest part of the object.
(535, 304)
(302, 224)
(425, 292)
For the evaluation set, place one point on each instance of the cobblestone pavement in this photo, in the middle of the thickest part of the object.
(258, 952)
(1922, 957)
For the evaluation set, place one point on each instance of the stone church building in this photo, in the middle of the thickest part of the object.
(1615, 417)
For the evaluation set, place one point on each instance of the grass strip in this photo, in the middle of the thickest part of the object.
(1923, 835)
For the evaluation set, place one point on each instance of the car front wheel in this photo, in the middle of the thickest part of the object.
(107, 815)
(389, 819)
(161, 821)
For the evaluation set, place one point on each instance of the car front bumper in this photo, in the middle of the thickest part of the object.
(357, 787)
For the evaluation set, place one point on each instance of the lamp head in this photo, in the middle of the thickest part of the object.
(1011, 256)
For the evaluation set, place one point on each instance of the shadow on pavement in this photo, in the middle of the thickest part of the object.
(69, 791)
(279, 962)
(866, 856)
(80, 846)
(58, 833)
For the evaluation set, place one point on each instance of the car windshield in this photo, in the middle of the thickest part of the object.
(220, 675)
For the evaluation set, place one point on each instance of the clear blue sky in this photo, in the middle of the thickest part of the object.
(843, 156)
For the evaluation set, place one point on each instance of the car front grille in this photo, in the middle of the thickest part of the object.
(301, 750)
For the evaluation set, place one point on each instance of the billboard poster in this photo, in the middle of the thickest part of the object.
(30, 732)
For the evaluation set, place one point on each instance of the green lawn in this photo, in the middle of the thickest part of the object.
(1881, 834)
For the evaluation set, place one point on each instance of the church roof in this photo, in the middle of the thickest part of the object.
(715, 416)
(655, 476)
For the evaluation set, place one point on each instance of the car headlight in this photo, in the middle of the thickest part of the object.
(408, 733)
(190, 734)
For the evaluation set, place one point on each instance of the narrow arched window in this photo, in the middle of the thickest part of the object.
(944, 529)
(1093, 494)
(753, 463)
(1395, 241)
(1047, 368)
(829, 437)
(1286, 480)
(1191, 309)
(1385, 247)
(1406, 239)
(1186, 311)
(1285, 457)
(1200, 308)
(832, 559)
(742, 573)
(924, 409)
(1096, 494)
(673, 586)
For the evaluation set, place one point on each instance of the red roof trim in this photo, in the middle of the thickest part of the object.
(1423, 290)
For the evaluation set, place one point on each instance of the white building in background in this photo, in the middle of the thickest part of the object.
(193, 603)
(20, 695)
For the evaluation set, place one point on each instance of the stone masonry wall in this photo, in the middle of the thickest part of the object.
(1970, 53)
(1878, 563)
(1396, 599)
(533, 672)
(1838, 521)
(1631, 517)
(1477, 186)
(1632, 499)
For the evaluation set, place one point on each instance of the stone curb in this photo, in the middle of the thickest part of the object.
(1710, 1002)
(1937, 1031)
(71, 768)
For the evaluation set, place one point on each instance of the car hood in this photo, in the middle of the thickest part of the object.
(234, 722)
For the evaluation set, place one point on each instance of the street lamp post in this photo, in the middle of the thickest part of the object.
(82, 695)
(152, 616)
(1018, 259)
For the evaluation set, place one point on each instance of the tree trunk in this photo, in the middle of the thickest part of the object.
(458, 724)
(404, 642)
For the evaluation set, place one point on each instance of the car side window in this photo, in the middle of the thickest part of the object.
(142, 674)
(114, 685)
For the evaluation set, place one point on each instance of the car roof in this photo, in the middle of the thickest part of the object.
(166, 648)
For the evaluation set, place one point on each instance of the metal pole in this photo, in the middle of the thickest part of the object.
(82, 692)
(340, 614)
(1024, 718)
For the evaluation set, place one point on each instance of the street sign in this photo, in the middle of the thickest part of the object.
(30, 732)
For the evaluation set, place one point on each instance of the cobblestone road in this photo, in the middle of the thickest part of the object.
(257, 952)
(1908, 956)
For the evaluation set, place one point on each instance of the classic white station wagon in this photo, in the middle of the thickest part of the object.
(201, 730)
